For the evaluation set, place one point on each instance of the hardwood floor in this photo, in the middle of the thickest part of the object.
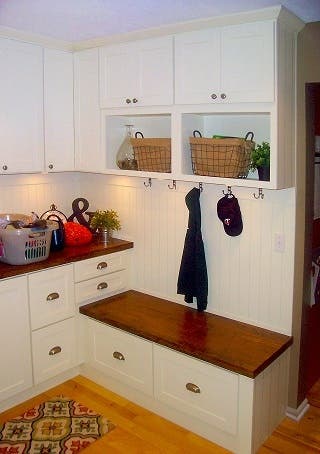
(138, 431)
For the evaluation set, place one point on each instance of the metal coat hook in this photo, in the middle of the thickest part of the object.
(174, 185)
(229, 191)
(200, 187)
(260, 194)
(149, 184)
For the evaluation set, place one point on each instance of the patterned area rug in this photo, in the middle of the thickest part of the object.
(58, 426)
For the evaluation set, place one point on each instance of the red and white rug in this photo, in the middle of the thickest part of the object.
(58, 426)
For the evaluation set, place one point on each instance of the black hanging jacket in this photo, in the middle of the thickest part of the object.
(193, 278)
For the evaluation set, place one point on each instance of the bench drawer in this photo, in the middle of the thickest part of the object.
(206, 392)
(122, 356)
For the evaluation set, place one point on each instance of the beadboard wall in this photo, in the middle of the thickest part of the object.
(248, 279)
(27, 193)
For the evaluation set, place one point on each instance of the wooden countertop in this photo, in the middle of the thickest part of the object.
(66, 255)
(233, 345)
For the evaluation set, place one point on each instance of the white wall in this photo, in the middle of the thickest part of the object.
(248, 280)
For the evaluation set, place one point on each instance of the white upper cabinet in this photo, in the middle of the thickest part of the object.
(21, 107)
(137, 74)
(58, 110)
(230, 65)
(88, 153)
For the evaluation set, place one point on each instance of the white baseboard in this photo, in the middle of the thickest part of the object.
(297, 413)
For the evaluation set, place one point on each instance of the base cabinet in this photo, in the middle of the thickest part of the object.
(229, 409)
(15, 352)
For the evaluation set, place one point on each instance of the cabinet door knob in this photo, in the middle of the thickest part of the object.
(50, 166)
(102, 265)
(55, 350)
(128, 101)
(193, 388)
(223, 96)
(134, 100)
(4, 167)
(102, 285)
(53, 296)
(118, 355)
(214, 96)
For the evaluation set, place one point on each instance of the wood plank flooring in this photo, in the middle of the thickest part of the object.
(138, 431)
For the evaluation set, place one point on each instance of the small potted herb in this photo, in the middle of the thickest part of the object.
(260, 160)
(105, 222)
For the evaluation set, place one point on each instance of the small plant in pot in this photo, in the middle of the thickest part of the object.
(260, 160)
(105, 222)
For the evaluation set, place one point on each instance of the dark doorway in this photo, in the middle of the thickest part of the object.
(310, 339)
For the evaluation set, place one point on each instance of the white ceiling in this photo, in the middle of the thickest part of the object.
(77, 20)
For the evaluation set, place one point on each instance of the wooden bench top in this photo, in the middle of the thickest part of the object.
(236, 346)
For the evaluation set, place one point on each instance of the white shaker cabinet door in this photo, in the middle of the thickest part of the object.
(88, 152)
(15, 352)
(21, 107)
(58, 110)
(137, 74)
(197, 67)
(247, 62)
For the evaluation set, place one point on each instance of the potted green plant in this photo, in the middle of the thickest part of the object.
(260, 160)
(105, 222)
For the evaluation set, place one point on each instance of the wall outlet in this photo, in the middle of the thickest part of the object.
(279, 242)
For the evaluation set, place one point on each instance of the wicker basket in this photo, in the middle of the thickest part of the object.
(225, 157)
(152, 155)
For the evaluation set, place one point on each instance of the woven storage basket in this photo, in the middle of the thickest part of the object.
(227, 157)
(152, 155)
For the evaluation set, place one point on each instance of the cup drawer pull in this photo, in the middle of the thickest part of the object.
(53, 296)
(102, 265)
(102, 286)
(55, 350)
(118, 355)
(193, 388)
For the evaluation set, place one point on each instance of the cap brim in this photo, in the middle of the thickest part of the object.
(233, 230)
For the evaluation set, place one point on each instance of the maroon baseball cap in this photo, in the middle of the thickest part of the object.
(229, 213)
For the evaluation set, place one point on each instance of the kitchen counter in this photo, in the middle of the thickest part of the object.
(233, 345)
(68, 255)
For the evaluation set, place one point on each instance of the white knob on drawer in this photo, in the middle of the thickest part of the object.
(102, 286)
(118, 355)
(53, 296)
(55, 350)
(102, 265)
(193, 388)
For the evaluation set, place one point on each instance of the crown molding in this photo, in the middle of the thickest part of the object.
(181, 27)
(42, 40)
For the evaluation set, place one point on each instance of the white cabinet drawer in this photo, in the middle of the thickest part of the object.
(54, 349)
(122, 356)
(51, 294)
(98, 266)
(212, 395)
(100, 287)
